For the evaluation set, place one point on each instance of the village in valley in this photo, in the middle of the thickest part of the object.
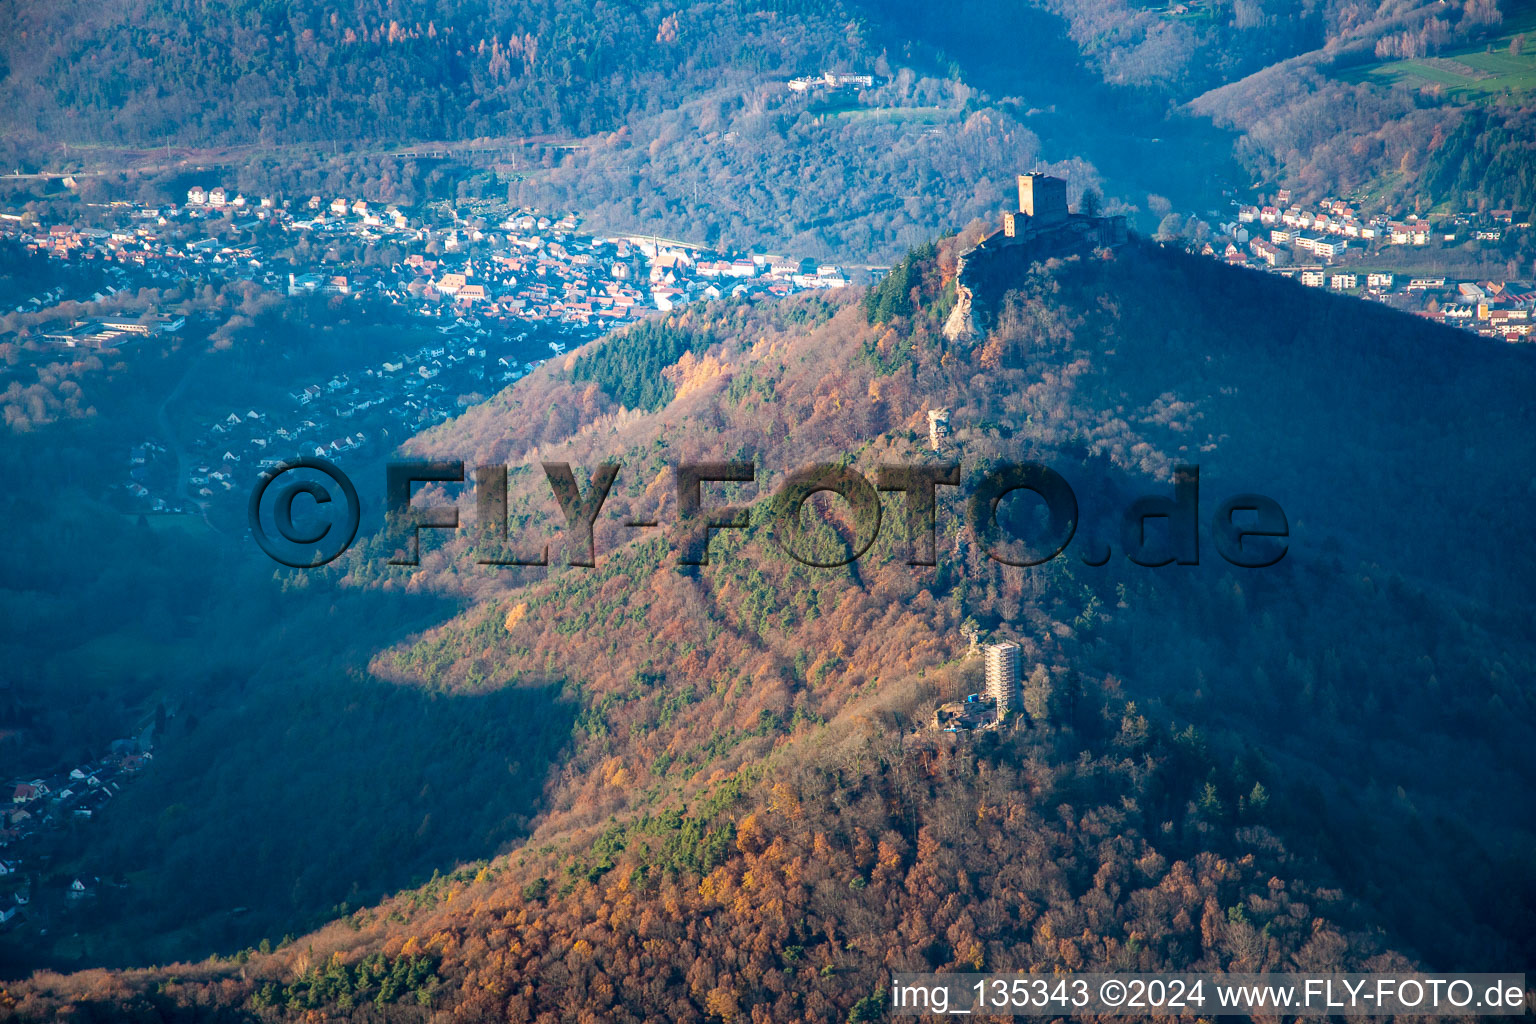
(31, 888)
(496, 290)
(1337, 245)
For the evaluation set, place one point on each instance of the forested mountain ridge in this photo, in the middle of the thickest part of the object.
(1225, 769)
(1222, 41)
(179, 73)
(1292, 81)
(1318, 123)
(170, 71)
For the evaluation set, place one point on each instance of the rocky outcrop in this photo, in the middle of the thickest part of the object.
(960, 326)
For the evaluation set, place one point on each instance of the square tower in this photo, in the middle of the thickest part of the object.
(1004, 665)
(938, 427)
(1043, 198)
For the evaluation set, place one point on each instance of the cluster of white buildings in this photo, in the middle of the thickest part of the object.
(1338, 219)
(1331, 245)
(1328, 229)
(831, 80)
(522, 265)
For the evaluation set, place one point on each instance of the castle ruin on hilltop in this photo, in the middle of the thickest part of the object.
(1041, 228)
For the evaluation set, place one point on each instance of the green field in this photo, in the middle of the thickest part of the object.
(898, 115)
(1486, 70)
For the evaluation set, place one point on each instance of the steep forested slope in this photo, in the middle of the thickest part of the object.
(1306, 766)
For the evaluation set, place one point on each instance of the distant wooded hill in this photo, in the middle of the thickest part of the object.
(250, 71)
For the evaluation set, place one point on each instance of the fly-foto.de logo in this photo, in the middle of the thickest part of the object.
(1247, 530)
